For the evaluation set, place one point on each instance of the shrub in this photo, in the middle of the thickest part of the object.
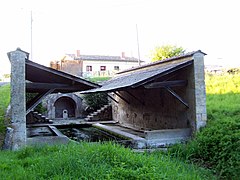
(96, 100)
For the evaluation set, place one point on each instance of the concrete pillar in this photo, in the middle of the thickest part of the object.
(18, 100)
(200, 91)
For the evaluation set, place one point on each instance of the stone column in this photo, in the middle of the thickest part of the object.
(18, 101)
(200, 91)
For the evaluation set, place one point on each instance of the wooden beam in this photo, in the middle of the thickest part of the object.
(34, 85)
(124, 99)
(36, 100)
(112, 98)
(176, 96)
(166, 83)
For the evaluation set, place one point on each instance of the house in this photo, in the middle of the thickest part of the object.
(165, 101)
(94, 65)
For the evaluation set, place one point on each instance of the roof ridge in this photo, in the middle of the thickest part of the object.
(163, 61)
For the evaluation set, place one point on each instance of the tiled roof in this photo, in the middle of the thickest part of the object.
(139, 78)
(144, 74)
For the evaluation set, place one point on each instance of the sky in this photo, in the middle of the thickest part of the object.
(108, 27)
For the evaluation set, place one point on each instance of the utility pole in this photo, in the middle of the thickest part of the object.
(139, 61)
(31, 38)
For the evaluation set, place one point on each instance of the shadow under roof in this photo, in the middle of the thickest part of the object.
(41, 78)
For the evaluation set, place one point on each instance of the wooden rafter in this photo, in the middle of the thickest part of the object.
(166, 84)
(176, 96)
(36, 100)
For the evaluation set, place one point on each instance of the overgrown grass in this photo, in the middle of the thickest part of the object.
(4, 101)
(218, 145)
(93, 161)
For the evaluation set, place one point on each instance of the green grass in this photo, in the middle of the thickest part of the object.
(215, 147)
(218, 145)
(98, 79)
(93, 161)
(4, 101)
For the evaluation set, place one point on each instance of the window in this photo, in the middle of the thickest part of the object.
(88, 68)
(102, 68)
(116, 68)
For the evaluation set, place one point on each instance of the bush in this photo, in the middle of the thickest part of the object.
(96, 100)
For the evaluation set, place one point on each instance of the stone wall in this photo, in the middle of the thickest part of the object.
(76, 110)
(156, 109)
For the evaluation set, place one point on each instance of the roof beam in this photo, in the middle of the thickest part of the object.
(166, 83)
(124, 99)
(176, 96)
(112, 98)
(34, 85)
(36, 100)
(39, 87)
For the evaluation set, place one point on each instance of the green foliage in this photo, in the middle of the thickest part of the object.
(98, 79)
(166, 51)
(4, 102)
(218, 145)
(96, 100)
(39, 108)
(93, 161)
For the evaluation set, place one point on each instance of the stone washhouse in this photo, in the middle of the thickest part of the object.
(164, 100)
(153, 105)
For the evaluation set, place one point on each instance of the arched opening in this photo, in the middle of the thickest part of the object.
(63, 105)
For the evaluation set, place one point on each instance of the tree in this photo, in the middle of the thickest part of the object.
(166, 51)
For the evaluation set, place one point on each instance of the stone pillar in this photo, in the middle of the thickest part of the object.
(18, 101)
(200, 91)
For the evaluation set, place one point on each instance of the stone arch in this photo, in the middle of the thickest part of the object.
(65, 103)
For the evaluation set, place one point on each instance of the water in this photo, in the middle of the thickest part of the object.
(89, 134)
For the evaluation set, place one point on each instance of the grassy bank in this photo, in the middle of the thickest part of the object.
(93, 161)
(218, 145)
(215, 147)
(4, 101)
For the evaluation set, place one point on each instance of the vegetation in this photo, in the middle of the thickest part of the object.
(96, 100)
(4, 101)
(166, 51)
(218, 145)
(39, 108)
(98, 79)
(93, 161)
(215, 147)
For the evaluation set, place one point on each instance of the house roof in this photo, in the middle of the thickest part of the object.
(142, 75)
(106, 58)
(40, 78)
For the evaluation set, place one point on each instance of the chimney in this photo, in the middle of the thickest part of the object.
(78, 53)
(123, 55)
